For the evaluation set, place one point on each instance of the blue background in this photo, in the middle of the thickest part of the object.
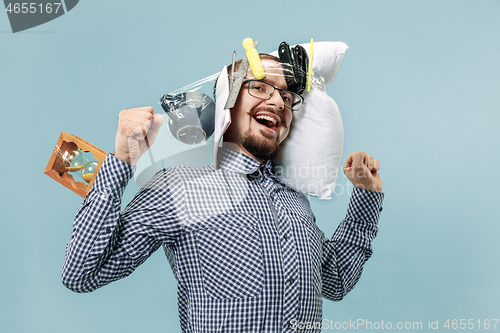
(418, 89)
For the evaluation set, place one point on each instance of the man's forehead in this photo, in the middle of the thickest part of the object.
(273, 70)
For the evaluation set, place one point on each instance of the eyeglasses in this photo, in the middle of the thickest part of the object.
(264, 90)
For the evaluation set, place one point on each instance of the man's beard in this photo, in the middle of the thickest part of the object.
(261, 149)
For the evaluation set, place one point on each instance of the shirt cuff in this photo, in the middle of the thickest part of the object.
(113, 177)
(365, 205)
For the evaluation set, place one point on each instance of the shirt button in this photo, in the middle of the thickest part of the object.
(381, 208)
(291, 280)
(285, 236)
(108, 230)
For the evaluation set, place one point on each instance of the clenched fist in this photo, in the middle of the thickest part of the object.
(137, 130)
(362, 171)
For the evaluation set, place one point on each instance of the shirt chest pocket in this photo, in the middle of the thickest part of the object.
(230, 253)
(309, 250)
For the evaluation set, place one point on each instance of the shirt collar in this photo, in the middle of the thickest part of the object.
(237, 162)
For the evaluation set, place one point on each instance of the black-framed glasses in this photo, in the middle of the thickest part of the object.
(263, 90)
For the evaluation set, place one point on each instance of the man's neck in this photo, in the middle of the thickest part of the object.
(241, 150)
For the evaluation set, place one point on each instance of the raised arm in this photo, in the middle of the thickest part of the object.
(350, 247)
(105, 245)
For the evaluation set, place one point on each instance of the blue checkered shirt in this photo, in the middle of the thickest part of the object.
(243, 246)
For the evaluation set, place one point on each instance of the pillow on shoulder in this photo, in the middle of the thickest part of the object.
(309, 158)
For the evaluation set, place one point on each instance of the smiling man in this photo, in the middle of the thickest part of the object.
(243, 246)
(263, 113)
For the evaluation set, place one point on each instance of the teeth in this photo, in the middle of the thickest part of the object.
(267, 118)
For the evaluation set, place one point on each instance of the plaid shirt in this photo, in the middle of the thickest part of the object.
(243, 246)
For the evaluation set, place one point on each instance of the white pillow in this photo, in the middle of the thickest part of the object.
(309, 158)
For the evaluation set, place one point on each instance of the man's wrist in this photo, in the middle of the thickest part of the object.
(124, 158)
(365, 205)
(373, 189)
(113, 176)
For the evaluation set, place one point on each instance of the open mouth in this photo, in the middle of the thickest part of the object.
(267, 121)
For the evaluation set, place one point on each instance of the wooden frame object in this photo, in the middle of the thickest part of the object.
(56, 170)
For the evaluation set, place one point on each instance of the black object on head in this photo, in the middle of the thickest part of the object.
(297, 60)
